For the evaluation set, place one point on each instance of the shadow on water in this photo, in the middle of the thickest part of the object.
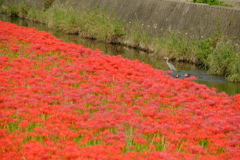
(157, 62)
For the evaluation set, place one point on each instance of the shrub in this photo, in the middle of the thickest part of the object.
(47, 4)
(213, 2)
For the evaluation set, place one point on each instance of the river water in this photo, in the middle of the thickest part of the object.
(159, 63)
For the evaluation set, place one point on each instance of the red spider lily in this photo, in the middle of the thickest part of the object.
(63, 101)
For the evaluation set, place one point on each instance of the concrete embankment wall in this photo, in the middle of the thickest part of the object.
(34, 3)
(160, 15)
(191, 18)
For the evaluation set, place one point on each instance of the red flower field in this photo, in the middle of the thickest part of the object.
(63, 101)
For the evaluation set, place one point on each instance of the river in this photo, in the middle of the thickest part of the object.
(159, 63)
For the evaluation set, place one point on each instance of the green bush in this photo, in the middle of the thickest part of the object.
(213, 2)
(48, 4)
(97, 22)
(234, 67)
(93, 23)
(36, 15)
(17, 10)
(219, 59)
(23, 10)
(62, 18)
(205, 47)
(1, 2)
(12, 11)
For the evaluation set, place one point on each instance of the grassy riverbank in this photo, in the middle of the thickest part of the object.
(218, 54)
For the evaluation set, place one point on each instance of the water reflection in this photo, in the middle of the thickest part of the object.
(157, 62)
